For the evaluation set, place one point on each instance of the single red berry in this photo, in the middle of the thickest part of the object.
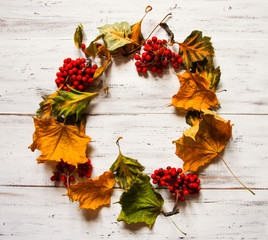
(71, 179)
(81, 87)
(159, 71)
(180, 61)
(154, 39)
(137, 64)
(52, 178)
(95, 66)
(83, 46)
(154, 181)
(144, 70)
(153, 176)
(139, 69)
(137, 57)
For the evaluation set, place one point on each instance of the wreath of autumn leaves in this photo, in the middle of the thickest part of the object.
(60, 122)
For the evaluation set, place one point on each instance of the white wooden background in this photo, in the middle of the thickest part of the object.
(35, 38)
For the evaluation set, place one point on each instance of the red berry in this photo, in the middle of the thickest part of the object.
(159, 71)
(139, 69)
(83, 46)
(153, 176)
(81, 87)
(71, 179)
(154, 39)
(137, 57)
(180, 61)
(95, 66)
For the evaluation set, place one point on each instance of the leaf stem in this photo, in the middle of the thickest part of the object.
(157, 26)
(163, 211)
(235, 176)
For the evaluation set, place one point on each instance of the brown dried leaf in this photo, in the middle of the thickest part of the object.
(93, 193)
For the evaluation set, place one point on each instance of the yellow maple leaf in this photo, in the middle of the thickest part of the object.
(204, 141)
(194, 93)
(57, 142)
(93, 193)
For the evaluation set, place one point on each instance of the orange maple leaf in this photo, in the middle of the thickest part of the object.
(194, 93)
(93, 193)
(57, 142)
(204, 141)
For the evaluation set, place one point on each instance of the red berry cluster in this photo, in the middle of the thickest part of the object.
(66, 171)
(156, 57)
(85, 169)
(75, 73)
(179, 184)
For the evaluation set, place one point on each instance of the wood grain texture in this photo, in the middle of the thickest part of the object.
(35, 38)
(211, 215)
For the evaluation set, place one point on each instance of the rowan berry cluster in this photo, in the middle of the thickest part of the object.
(77, 74)
(179, 184)
(65, 172)
(156, 57)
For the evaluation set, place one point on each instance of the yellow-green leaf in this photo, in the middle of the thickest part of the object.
(195, 48)
(126, 169)
(74, 102)
(211, 74)
(92, 49)
(116, 35)
(78, 36)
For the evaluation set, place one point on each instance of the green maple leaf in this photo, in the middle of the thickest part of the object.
(70, 103)
(140, 203)
(116, 35)
(126, 169)
(195, 48)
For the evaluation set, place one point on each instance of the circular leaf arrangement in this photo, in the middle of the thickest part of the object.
(60, 121)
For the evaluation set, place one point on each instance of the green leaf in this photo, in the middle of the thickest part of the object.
(78, 36)
(116, 35)
(69, 103)
(140, 203)
(195, 48)
(126, 169)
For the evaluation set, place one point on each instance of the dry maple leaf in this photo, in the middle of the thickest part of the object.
(194, 93)
(59, 142)
(204, 141)
(93, 193)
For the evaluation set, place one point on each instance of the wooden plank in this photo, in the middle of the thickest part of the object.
(33, 76)
(147, 138)
(31, 213)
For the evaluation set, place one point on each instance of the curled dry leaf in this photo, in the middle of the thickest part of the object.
(102, 51)
(204, 141)
(59, 142)
(78, 36)
(140, 203)
(195, 48)
(93, 193)
(126, 169)
(194, 93)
